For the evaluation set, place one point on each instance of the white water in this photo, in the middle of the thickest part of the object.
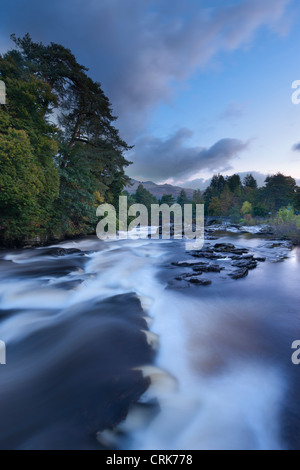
(218, 389)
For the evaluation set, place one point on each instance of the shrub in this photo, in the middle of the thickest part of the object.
(287, 224)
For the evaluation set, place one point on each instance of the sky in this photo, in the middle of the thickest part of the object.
(199, 86)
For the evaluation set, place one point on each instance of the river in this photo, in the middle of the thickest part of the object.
(106, 349)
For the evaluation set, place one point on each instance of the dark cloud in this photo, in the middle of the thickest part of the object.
(296, 147)
(138, 48)
(159, 159)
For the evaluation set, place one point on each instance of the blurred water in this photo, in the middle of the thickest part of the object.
(79, 355)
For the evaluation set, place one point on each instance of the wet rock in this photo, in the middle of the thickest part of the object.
(224, 247)
(58, 251)
(199, 281)
(211, 268)
(259, 259)
(267, 230)
(68, 285)
(209, 254)
(182, 277)
(240, 251)
(246, 263)
(239, 274)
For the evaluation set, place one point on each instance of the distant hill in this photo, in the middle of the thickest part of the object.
(158, 190)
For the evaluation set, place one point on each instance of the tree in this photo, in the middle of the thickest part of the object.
(28, 145)
(197, 197)
(226, 200)
(143, 196)
(297, 199)
(215, 208)
(279, 191)
(22, 184)
(247, 208)
(260, 210)
(182, 198)
(167, 199)
(85, 148)
(217, 184)
(233, 182)
(250, 181)
(235, 214)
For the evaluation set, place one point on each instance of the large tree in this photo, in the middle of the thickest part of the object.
(83, 145)
(279, 191)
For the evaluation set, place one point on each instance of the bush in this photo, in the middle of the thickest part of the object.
(287, 225)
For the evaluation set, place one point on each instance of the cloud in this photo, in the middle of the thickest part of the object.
(159, 159)
(139, 49)
(296, 147)
(233, 111)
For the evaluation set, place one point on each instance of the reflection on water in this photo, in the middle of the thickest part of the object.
(79, 355)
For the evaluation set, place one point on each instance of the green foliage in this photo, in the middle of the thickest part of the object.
(235, 214)
(279, 191)
(226, 199)
(229, 197)
(167, 199)
(197, 197)
(215, 207)
(182, 198)
(247, 208)
(287, 224)
(54, 176)
(260, 210)
(23, 184)
(143, 196)
(233, 182)
(250, 182)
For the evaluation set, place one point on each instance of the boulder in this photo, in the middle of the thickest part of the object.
(249, 264)
(200, 282)
(224, 247)
(239, 274)
(210, 268)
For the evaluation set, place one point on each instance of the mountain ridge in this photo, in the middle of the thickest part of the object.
(158, 190)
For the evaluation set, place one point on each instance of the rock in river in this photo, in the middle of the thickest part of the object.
(239, 274)
(199, 281)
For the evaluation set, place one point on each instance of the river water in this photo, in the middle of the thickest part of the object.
(87, 330)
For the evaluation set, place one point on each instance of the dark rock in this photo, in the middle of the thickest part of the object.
(240, 251)
(182, 277)
(211, 268)
(249, 264)
(224, 247)
(57, 251)
(260, 259)
(199, 282)
(187, 264)
(266, 231)
(239, 274)
(275, 245)
(68, 285)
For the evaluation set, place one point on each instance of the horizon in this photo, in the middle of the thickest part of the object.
(205, 183)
